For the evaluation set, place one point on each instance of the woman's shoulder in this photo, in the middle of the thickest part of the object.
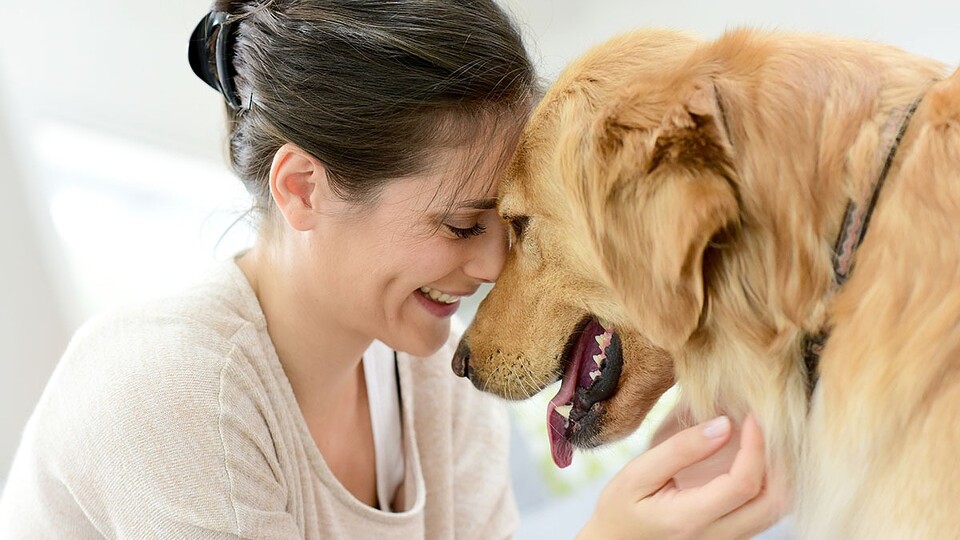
(165, 359)
(146, 340)
(148, 395)
(200, 323)
(157, 409)
(156, 383)
(217, 305)
(141, 344)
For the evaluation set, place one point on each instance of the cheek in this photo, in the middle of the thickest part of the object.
(430, 263)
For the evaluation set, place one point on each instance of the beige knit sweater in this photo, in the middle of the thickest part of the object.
(175, 420)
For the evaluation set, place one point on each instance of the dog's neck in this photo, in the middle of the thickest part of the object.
(802, 149)
(856, 221)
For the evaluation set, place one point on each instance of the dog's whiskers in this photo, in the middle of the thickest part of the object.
(529, 378)
(523, 379)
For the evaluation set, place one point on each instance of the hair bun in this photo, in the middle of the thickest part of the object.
(211, 53)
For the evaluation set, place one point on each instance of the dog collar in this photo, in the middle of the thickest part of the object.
(856, 219)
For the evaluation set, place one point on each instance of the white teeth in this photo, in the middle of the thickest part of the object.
(598, 358)
(564, 411)
(594, 374)
(603, 340)
(439, 296)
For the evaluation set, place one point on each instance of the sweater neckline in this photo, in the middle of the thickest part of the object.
(413, 476)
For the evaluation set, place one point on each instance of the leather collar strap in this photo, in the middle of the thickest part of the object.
(855, 223)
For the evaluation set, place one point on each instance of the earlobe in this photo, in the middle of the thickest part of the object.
(297, 182)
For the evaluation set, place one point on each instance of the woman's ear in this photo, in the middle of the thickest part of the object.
(299, 186)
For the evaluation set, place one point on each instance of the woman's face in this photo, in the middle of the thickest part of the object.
(397, 269)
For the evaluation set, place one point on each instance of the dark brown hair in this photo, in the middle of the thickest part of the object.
(368, 87)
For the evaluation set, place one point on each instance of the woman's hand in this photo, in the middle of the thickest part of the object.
(644, 500)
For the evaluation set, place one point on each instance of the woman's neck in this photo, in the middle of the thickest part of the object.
(319, 356)
(322, 361)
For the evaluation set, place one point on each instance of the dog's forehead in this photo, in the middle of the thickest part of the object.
(515, 186)
(523, 189)
(506, 191)
(511, 202)
(585, 93)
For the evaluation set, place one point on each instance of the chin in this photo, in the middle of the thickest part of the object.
(421, 342)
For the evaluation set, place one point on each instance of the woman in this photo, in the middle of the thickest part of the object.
(303, 390)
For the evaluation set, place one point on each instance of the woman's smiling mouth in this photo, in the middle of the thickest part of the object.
(439, 296)
(437, 302)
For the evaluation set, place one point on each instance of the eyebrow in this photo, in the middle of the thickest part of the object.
(487, 203)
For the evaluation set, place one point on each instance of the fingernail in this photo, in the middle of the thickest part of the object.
(716, 428)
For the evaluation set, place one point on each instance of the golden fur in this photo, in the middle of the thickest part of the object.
(691, 192)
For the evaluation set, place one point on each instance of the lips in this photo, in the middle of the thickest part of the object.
(594, 361)
(437, 308)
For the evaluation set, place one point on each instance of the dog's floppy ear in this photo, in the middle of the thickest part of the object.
(669, 189)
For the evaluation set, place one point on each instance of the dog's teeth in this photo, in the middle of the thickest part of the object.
(594, 375)
(604, 340)
(598, 358)
(564, 411)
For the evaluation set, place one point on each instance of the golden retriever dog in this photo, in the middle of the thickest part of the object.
(675, 207)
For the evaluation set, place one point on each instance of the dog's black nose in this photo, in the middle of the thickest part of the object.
(461, 360)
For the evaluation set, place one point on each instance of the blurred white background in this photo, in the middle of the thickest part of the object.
(114, 185)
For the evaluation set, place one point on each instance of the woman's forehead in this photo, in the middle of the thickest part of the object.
(463, 176)
(463, 179)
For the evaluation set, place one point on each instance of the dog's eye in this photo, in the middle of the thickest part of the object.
(519, 224)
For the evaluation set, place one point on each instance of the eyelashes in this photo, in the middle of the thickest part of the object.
(476, 230)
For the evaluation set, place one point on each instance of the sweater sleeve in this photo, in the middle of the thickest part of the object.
(146, 430)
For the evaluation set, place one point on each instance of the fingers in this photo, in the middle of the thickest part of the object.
(643, 502)
(757, 515)
(649, 471)
(750, 519)
(744, 482)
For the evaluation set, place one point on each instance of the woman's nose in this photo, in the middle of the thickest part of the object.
(488, 254)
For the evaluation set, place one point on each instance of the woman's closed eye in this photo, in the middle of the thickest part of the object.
(475, 230)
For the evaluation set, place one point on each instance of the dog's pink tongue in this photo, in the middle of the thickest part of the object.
(560, 447)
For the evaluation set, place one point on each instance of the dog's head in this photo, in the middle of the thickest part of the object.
(621, 180)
